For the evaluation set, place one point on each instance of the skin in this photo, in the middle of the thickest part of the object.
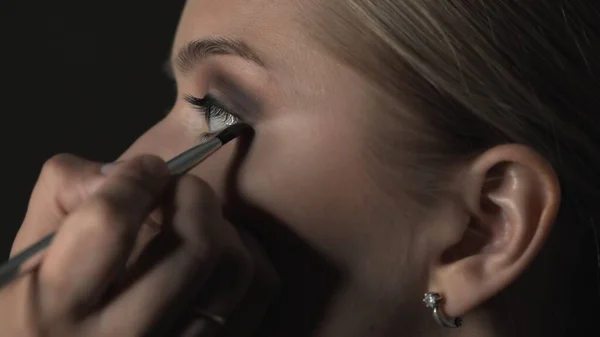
(353, 260)
(306, 136)
(302, 167)
(79, 286)
(360, 251)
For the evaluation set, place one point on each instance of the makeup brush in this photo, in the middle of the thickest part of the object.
(177, 166)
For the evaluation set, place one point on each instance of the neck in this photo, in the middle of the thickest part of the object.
(356, 314)
(352, 312)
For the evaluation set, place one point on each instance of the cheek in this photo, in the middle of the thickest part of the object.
(307, 180)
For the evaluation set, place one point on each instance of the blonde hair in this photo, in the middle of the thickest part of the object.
(472, 74)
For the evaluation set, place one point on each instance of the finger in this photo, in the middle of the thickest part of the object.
(248, 316)
(179, 262)
(222, 294)
(95, 239)
(148, 231)
(65, 181)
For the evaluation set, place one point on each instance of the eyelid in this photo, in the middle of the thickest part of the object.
(198, 102)
(223, 106)
(211, 107)
(241, 98)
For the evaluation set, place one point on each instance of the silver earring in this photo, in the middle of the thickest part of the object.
(433, 301)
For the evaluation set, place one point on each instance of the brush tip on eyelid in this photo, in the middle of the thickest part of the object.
(205, 136)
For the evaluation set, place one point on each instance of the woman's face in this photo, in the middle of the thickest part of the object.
(306, 165)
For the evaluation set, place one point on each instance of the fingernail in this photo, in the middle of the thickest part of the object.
(105, 169)
(154, 165)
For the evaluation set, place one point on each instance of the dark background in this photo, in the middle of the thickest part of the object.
(84, 77)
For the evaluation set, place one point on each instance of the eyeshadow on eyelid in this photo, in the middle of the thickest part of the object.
(237, 96)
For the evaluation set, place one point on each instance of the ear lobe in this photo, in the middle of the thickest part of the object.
(512, 195)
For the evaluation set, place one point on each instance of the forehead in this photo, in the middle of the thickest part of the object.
(281, 34)
(267, 26)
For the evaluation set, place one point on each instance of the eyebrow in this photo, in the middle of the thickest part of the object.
(196, 51)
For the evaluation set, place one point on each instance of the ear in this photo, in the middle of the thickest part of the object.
(510, 196)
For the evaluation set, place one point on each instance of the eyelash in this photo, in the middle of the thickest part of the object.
(211, 108)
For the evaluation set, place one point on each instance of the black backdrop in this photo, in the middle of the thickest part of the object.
(83, 77)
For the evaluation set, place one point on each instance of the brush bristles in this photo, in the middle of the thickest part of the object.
(231, 132)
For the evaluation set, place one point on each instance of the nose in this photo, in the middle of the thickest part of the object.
(159, 140)
(167, 139)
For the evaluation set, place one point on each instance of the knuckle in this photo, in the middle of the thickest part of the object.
(67, 179)
(58, 166)
(204, 250)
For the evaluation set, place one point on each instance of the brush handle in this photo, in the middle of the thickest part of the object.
(10, 269)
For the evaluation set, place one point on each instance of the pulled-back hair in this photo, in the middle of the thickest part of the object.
(462, 76)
